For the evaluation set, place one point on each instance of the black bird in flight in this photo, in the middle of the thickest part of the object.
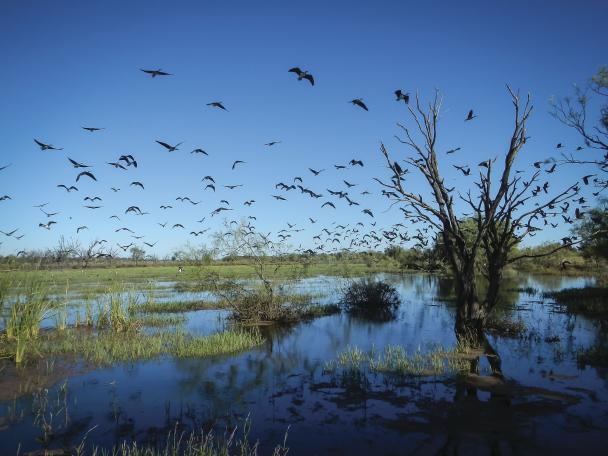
(129, 160)
(77, 165)
(92, 129)
(85, 173)
(46, 146)
(211, 186)
(10, 233)
(402, 96)
(451, 151)
(348, 184)
(47, 226)
(69, 189)
(315, 172)
(354, 162)
(470, 116)
(155, 73)
(217, 104)
(232, 187)
(368, 212)
(465, 170)
(328, 204)
(149, 244)
(272, 143)
(302, 75)
(84, 227)
(237, 162)
(2, 168)
(138, 184)
(208, 178)
(199, 151)
(114, 189)
(116, 165)
(339, 166)
(359, 102)
(169, 147)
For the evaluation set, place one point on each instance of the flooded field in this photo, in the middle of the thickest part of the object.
(287, 385)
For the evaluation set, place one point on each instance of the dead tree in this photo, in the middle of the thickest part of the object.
(504, 215)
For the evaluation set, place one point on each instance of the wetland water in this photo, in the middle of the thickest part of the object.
(552, 405)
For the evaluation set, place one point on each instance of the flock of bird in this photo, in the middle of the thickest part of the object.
(362, 235)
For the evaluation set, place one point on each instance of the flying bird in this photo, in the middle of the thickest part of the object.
(139, 184)
(87, 174)
(315, 172)
(302, 75)
(470, 116)
(217, 104)
(92, 129)
(44, 146)
(155, 73)
(199, 151)
(359, 102)
(68, 189)
(169, 147)
(272, 143)
(237, 162)
(76, 164)
(402, 96)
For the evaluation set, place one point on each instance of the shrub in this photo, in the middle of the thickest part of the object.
(369, 298)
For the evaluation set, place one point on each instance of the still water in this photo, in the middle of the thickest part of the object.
(557, 407)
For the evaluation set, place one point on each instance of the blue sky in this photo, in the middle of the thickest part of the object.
(69, 64)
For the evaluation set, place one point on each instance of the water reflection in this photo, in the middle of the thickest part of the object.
(545, 401)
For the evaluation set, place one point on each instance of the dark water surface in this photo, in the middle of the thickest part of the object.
(557, 407)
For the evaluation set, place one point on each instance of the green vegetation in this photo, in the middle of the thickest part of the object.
(394, 360)
(369, 298)
(108, 347)
(192, 444)
(176, 306)
(593, 230)
(591, 301)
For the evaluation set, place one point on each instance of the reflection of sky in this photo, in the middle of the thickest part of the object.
(282, 382)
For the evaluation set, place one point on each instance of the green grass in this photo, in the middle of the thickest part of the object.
(394, 360)
(591, 301)
(192, 444)
(107, 347)
(321, 310)
(176, 306)
(105, 276)
(158, 321)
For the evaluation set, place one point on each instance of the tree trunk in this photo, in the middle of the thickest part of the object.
(471, 315)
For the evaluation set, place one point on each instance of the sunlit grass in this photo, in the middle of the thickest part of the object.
(394, 360)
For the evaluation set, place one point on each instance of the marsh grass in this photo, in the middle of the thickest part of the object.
(105, 347)
(195, 443)
(591, 301)
(394, 360)
(176, 306)
(160, 320)
(23, 312)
